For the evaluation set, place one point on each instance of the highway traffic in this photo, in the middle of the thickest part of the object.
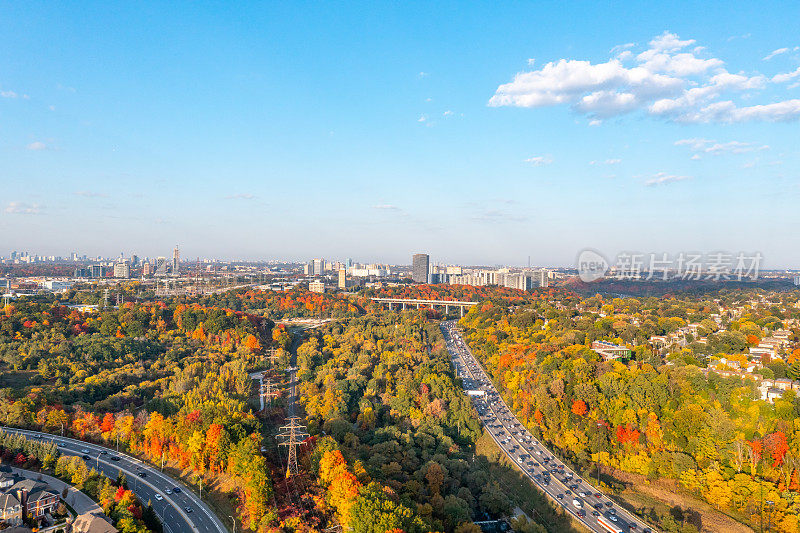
(552, 476)
(179, 509)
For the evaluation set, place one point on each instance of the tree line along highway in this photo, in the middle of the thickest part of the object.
(576, 496)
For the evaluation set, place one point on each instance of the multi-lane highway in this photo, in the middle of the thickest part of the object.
(583, 501)
(179, 509)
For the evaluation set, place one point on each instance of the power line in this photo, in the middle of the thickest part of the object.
(293, 434)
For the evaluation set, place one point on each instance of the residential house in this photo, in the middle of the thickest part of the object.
(10, 510)
(36, 497)
(609, 351)
(92, 523)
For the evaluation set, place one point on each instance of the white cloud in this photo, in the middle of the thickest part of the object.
(613, 161)
(671, 78)
(8, 94)
(422, 75)
(709, 146)
(774, 53)
(240, 196)
(662, 178)
(728, 112)
(539, 161)
(788, 76)
(386, 207)
(447, 113)
(21, 208)
(90, 194)
(36, 146)
(422, 118)
(780, 51)
(595, 122)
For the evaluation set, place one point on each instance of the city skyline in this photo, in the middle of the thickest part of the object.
(264, 132)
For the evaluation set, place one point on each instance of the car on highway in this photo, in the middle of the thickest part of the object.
(158, 497)
(84, 450)
(85, 457)
(176, 490)
(142, 474)
(168, 491)
(188, 509)
(115, 457)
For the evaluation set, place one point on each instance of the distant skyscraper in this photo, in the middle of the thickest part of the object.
(135, 260)
(420, 267)
(147, 268)
(342, 278)
(98, 271)
(319, 267)
(176, 259)
(161, 267)
(308, 269)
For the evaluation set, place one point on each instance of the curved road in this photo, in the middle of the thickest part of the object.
(181, 511)
(539, 464)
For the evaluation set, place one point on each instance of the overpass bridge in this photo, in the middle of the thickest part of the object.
(401, 303)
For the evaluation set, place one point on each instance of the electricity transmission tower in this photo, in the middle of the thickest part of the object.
(292, 435)
(271, 357)
(267, 391)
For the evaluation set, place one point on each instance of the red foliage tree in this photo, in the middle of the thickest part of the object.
(579, 407)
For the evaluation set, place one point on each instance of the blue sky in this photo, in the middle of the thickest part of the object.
(478, 132)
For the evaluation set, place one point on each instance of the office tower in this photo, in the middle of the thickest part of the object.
(134, 260)
(420, 266)
(98, 271)
(319, 267)
(122, 270)
(147, 268)
(308, 269)
(176, 258)
(161, 267)
(342, 278)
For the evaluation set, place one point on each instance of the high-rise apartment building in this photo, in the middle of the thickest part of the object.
(319, 267)
(176, 259)
(98, 271)
(122, 270)
(342, 278)
(420, 265)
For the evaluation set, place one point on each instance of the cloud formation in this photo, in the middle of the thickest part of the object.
(712, 147)
(780, 51)
(672, 79)
(240, 196)
(36, 146)
(539, 161)
(662, 178)
(21, 208)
